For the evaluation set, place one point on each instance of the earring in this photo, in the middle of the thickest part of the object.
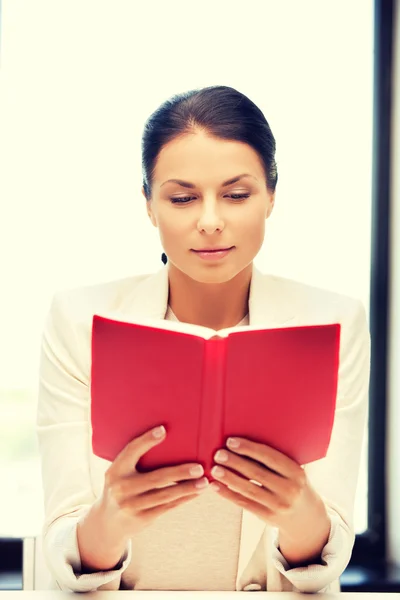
(164, 258)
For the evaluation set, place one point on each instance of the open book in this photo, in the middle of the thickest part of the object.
(274, 386)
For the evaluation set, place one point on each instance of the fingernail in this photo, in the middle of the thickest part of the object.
(233, 443)
(196, 471)
(221, 456)
(215, 487)
(202, 483)
(159, 432)
(217, 472)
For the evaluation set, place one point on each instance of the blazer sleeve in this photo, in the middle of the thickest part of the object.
(64, 446)
(335, 476)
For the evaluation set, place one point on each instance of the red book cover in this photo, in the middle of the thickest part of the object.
(274, 386)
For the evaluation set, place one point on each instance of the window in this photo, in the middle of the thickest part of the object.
(72, 115)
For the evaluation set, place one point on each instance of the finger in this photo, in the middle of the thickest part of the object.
(247, 489)
(128, 458)
(271, 458)
(155, 498)
(263, 512)
(152, 513)
(253, 470)
(139, 483)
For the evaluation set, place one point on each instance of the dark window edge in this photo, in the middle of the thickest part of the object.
(371, 545)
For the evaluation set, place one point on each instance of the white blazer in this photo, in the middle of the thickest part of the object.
(73, 477)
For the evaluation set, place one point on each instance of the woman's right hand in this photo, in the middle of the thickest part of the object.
(130, 501)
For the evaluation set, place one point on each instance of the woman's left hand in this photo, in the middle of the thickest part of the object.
(283, 497)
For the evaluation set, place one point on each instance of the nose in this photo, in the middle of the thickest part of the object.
(210, 219)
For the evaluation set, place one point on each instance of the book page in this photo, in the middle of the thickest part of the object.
(240, 329)
(186, 328)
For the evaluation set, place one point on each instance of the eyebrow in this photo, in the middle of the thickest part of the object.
(187, 184)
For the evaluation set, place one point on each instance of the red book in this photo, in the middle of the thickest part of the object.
(274, 386)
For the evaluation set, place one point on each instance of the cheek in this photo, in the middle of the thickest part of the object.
(173, 224)
(251, 233)
(171, 228)
(252, 224)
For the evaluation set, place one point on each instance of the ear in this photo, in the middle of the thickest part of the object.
(271, 204)
(149, 209)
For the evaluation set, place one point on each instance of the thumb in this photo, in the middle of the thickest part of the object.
(128, 458)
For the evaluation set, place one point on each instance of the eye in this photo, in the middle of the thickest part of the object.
(239, 196)
(182, 200)
(186, 199)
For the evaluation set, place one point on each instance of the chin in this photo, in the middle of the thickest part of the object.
(212, 277)
(211, 273)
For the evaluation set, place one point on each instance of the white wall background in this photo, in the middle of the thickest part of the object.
(78, 78)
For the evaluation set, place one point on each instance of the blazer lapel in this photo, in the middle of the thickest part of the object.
(149, 298)
(268, 308)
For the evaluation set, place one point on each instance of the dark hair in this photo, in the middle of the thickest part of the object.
(221, 111)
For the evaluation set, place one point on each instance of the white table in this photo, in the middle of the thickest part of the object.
(106, 595)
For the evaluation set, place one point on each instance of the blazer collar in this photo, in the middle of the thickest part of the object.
(268, 307)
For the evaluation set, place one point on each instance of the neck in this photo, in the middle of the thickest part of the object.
(213, 305)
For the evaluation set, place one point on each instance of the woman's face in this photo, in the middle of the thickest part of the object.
(209, 212)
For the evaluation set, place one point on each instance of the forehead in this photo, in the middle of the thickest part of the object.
(199, 158)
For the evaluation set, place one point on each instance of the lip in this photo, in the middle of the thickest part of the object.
(214, 249)
(213, 254)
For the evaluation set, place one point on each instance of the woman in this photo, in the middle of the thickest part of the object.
(209, 184)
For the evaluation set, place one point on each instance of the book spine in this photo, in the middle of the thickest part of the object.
(211, 429)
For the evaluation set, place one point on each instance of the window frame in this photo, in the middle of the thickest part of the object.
(370, 546)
